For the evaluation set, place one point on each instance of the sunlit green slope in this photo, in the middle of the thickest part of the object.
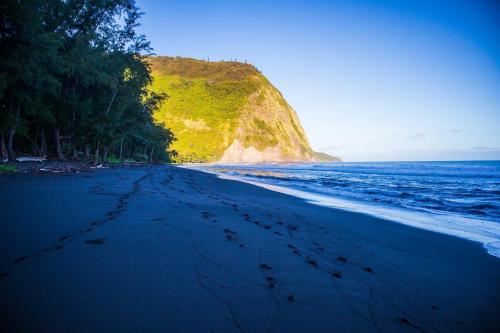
(228, 112)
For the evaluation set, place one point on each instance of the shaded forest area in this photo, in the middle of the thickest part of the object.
(74, 82)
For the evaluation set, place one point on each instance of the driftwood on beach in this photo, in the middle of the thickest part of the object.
(31, 159)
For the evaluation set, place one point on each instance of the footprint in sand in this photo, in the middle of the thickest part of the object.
(52, 248)
(312, 262)
(319, 247)
(266, 267)
(230, 235)
(409, 323)
(271, 282)
(207, 215)
(294, 249)
(337, 274)
(97, 241)
(342, 259)
(291, 298)
(368, 270)
(21, 259)
(111, 217)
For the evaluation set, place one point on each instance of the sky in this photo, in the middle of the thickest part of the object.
(369, 80)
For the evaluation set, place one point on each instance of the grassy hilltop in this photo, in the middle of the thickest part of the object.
(226, 111)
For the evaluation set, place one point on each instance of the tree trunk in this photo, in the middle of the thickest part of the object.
(112, 100)
(34, 144)
(121, 149)
(5, 156)
(75, 153)
(97, 153)
(73, 131)
(105, 156)
(43, 149)
(9, 142)
(87, 152)
(12, 131)
(60, 155)
(151, 155)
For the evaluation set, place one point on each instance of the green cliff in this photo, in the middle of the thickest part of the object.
(227, 112)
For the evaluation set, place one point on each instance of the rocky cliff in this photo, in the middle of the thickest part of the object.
(227, 112)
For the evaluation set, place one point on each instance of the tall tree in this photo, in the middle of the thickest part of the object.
(76, 69)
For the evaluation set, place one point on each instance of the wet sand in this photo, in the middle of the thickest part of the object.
(165, 249)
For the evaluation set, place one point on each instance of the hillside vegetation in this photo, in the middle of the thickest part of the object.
(226, 111)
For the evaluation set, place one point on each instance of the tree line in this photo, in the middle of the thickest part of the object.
(74, 82)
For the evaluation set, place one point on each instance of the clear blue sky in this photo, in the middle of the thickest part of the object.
(370, 80)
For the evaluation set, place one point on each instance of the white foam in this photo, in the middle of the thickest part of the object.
(484, 232)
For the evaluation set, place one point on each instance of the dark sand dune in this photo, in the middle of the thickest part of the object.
(165, 249)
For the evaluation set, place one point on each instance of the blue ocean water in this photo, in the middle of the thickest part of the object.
(458, 198)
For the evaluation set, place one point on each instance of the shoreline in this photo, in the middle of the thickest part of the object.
(461, 227)
(142, 248)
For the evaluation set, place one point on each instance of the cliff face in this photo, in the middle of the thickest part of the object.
(227, 112)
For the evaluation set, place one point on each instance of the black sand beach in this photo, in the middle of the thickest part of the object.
(165, 249)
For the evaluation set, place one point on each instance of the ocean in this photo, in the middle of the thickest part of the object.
(456, 198)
